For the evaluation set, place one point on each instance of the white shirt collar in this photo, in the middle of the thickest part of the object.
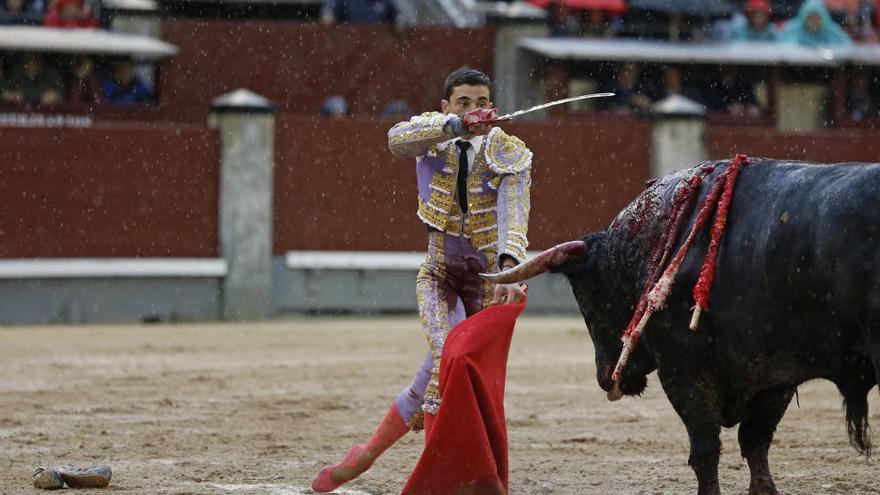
(476, 145)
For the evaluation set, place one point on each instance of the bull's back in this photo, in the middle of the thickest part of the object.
(806, 233)
(797, 277)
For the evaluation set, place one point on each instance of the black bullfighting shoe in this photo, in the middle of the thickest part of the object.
(48, 479)
(87, 477)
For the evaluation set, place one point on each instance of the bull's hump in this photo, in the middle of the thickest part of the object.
(650, 208)
(654, 203)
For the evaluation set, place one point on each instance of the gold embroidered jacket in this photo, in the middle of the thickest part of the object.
(498, 184)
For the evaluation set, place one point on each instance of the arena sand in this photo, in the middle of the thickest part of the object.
(259, 408)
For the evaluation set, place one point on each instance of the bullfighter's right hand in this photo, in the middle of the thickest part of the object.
(508, 294)
(479, 120)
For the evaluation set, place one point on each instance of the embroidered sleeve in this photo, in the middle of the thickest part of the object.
(506, 154)
(514, 202)
(415, 136)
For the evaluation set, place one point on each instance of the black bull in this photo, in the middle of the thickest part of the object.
(796, 297)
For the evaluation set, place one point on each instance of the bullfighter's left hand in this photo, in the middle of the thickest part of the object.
(508, 294)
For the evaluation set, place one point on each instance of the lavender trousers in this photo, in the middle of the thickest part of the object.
(448, 288)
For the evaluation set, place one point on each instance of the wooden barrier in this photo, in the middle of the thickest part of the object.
(111, 191)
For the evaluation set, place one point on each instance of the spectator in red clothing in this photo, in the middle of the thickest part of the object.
(82, 84)
(69, 14)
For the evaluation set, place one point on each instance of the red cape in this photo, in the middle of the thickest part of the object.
(466, 451)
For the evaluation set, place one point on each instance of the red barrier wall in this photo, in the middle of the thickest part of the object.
(825, 147)
(109, 192)
(338, 187)
(298, 65)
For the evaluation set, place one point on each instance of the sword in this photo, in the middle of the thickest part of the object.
(490, 115)
(542, 106)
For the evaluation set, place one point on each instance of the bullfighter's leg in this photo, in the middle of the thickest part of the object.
(756, 433)
(476, 293)
(696, 403)
(409, 401)
(361, 457)
(405, 414)
(438, 298)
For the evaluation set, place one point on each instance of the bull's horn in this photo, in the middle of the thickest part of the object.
(544, 262)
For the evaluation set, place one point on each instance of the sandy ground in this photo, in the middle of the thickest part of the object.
(258, 408)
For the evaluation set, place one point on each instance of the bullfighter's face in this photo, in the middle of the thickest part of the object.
(465, 98)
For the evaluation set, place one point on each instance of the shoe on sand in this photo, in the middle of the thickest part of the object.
(87, 477)
(48, 479)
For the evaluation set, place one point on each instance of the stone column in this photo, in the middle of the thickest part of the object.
(516, 84)
(246, 122)
(678, 135)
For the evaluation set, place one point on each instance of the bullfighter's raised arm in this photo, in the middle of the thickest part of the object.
(414, 137)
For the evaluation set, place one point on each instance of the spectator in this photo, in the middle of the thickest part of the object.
(28, 12)
(563, 20)
(567, 21)
(732, 94)
(859, 28)
(600, 23)
(843, 6)
(756, 25)
(358, 12)
(334, 107)
(861, 104)
(69, 14)
(83, 86)
(4, 83)
(673, 84)
(34, 83)
(398, 109)
(125, 88)
(628, 90)
(813, 26)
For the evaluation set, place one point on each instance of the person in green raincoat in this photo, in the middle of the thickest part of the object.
(813, 26)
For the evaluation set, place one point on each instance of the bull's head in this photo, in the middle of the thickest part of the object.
(604, 301)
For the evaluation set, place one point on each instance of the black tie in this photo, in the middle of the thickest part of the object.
(462, 174)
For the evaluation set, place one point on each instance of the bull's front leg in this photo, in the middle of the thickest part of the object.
(704, 456)
(696, 402)
(756, 433)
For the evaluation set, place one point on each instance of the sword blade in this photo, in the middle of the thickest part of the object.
(553, 104)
